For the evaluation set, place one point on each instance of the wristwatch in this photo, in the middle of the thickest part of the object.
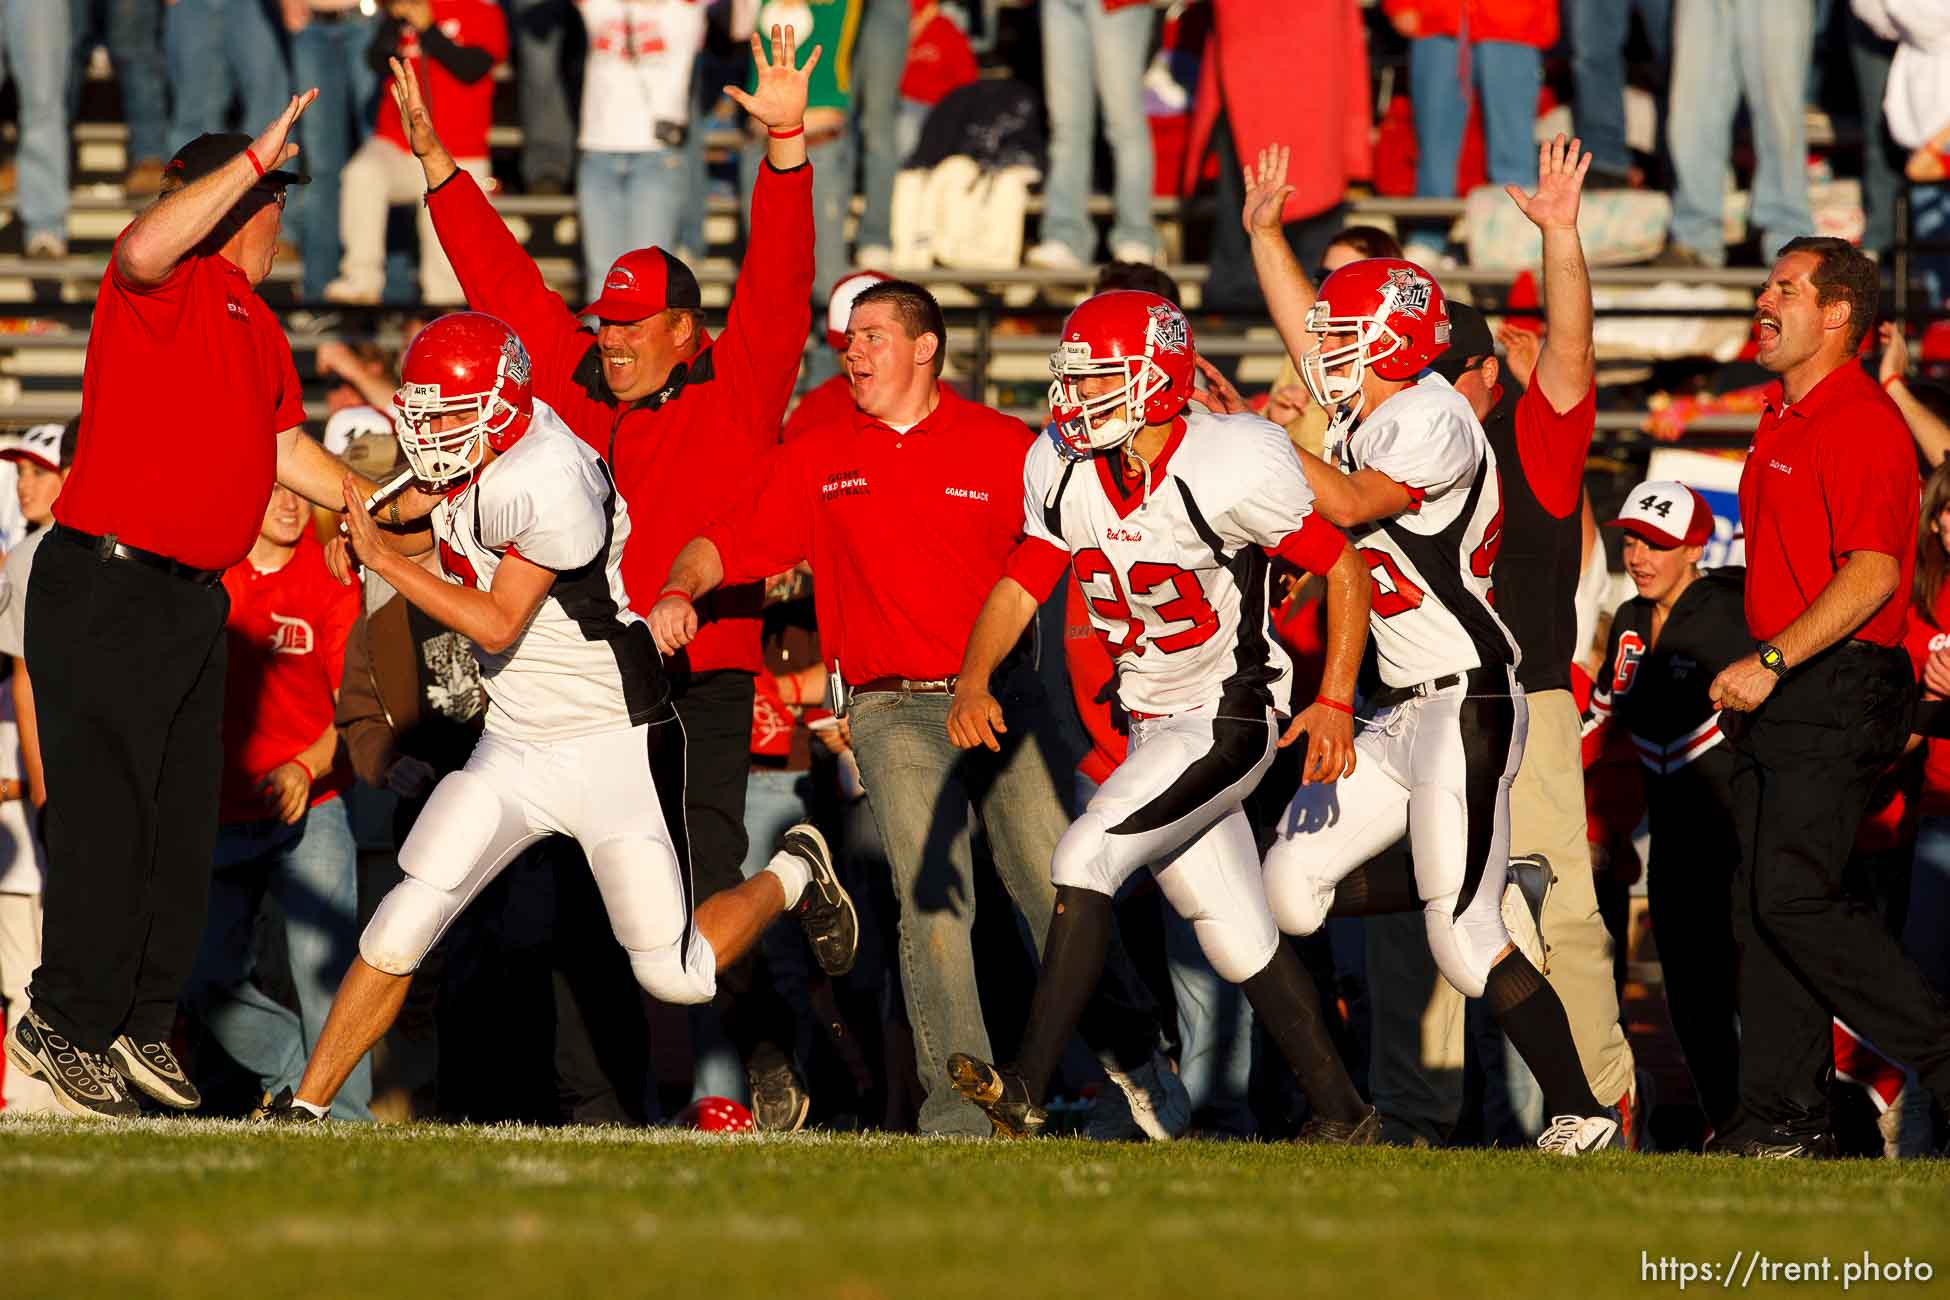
(1772, 659)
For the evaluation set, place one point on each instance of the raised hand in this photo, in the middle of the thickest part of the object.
(1521, 348)
(780, 100)
(420, 135)
(1561, 166)
(1221, 398)
(1266, 191)
(274, 146)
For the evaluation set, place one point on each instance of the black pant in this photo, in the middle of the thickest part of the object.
(716, 710)
(128, 667)
(1809, 949)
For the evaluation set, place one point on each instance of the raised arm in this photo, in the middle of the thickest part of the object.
(1567, 365)
(1288, 292)
(1931, 433)
(163, 235)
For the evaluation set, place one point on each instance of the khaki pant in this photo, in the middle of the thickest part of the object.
(380, 175)
(1416, 1069)
(20, 953)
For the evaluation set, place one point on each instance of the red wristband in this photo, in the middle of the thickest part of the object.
(1893, 379)
(678, 592)
(253, 157)
(786, 135)
(311, 777)
(1348, 709)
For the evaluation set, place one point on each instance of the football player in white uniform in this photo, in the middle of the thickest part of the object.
(580, 739)
(1410, 474)
(1169, 520)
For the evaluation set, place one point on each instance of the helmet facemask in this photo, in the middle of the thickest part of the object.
(1340, 395)
(438, 458)
(1112, 418)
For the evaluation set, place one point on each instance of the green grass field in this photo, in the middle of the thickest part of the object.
(210, 1209)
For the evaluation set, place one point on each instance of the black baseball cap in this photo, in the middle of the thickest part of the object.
(1469, 340)
(212, 150)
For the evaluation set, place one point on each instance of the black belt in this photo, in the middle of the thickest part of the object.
(107, 548)
(1482, 681)
(336, 15)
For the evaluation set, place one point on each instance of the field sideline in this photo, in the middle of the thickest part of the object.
(177, 1208)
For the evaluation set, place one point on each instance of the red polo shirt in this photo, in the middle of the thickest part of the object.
(285, 640)
(1832, 473)
(907, 532)
(198, 358)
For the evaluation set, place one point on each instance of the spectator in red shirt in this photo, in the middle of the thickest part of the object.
(453, 45)
(913, 461)
(284, 826)
(1828, 503)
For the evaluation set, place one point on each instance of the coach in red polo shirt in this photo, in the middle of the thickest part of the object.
(190, 410)
(1828, 501)
(907, 508)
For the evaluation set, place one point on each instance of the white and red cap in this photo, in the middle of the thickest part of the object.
(839, 307)
(44, 444)
(1666, 513)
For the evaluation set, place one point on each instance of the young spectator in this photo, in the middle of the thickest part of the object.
(547, 129)
(35, 36)
(1722, 51)
(328, 51)
(284, 826)
(219, 51)
(1094, 52)
(1599, 30)
(42, 460)
(1928, 642)
(132, 30)
(885, 57)
(632, 181)
(453, 45)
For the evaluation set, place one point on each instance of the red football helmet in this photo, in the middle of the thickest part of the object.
(1136, 337)
(467, 364)
(717, 1115)
(1395, 311)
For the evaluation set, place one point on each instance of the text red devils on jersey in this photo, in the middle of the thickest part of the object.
(1433, 612)
(1176, 581)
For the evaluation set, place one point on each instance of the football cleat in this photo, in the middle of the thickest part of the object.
(825, 910)
(1323, 1132)
(1576, 1135)
(153, 1068)
(1528, 886)
(779, 1100)
(1001, 1094)
(280, 1110)
(85, 1083)
(1159, 1103)
(1110, 1118)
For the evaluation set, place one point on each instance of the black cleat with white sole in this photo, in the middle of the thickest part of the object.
(1001, 1094)
(154, 1069)
(825, 910)
(85, 1083)
(280, 1110)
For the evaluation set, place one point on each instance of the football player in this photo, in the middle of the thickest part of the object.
(1409, 472)
(581, 739)
(1170, 519)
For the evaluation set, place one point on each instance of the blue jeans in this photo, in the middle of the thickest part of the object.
(38, 40)
(1505, 76)
(926, 797)
(1089, 58)
(1599, 29)
(548, 141)
(1724, 50)
(1215, 1022)
(832, 164)
(879, 57)
(132, 30)
(626, 201)
(313, 870)
(219, 50)
(332, 57)
(1881, 166)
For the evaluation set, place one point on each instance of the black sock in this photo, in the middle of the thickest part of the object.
(1286, 1003)
(1532, 1017)
(1073, 960)
(1384, 885)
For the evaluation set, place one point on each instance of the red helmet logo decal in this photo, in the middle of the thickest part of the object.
(514, 360)
(1167, 328)
(1411, 291)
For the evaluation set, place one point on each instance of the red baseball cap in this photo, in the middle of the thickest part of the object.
(1666, 513)
(642, 283)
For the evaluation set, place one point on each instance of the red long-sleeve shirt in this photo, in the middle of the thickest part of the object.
(688, 453)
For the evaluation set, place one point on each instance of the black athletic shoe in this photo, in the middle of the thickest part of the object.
(1000, 1093)
(153, 1068)
(1323, 1132)
(825, 910)
(779, 1100)
(279, 1110)
(85, 1083)
(1768, 1143)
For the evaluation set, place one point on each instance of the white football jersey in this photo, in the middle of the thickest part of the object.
(1176, 582)
(586, 662)
(1433, 611)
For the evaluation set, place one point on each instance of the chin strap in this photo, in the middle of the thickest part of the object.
(1127, 449)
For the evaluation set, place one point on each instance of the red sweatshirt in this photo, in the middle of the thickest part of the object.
(687, 454)
(464, 109)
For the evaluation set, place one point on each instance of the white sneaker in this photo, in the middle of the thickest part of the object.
(47, 246)
(1574, 1135)
(874, 257)
(1052, 256)
(343, 290)
(1159, 1104)
(1527, 886)
(1110, 1118)
(1142, 254)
